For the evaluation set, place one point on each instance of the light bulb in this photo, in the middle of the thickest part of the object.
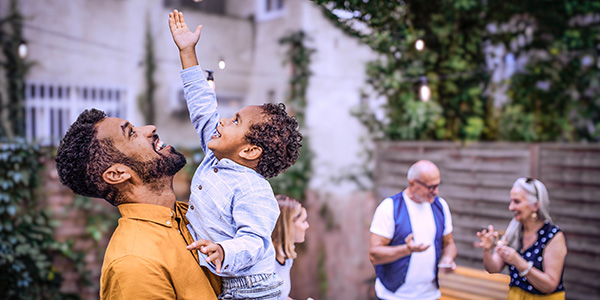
(222, 64)
(22, 50)
(424, 93)
(419, 45)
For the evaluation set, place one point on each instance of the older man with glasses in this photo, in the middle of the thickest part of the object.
(411, 238)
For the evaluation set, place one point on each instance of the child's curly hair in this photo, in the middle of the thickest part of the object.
(279, 139)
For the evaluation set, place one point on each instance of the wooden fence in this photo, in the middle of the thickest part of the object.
(476, 180)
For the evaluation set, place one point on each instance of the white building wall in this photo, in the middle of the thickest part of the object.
(99, 43)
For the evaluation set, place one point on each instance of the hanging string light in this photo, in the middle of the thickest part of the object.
(22, 50)
(424, 91)
(210, 79)
(222, 64)
(420, 45)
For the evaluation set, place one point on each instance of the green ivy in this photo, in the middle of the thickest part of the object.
(294, 182)
(27, 246)
(146, 101)
(562, 37)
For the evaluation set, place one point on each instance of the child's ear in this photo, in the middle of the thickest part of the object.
(252, 152)
(117, 173)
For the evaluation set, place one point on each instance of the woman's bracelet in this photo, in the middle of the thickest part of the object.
(526, 271)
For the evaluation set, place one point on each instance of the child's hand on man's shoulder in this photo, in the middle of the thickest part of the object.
(214, 252)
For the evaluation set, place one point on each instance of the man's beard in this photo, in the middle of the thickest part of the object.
(162, 167)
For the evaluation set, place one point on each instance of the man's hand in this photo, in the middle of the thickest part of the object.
(410, 243)
(214, 251)
(183, 37)
(446, 265)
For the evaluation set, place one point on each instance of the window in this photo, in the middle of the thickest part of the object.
(209, 6)
(269, 9)
(51, 108)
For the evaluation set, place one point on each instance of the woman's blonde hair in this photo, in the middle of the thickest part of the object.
(283, 234)
(535, 193)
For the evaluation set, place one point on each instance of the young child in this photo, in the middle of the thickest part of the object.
(290, 229)
(232, 209)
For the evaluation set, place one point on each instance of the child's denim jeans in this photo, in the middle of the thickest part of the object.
(255, 287)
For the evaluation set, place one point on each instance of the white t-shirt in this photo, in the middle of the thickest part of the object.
(420, 276)
(284, 273)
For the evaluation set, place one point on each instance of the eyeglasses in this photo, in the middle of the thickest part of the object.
(531, 181)
(431, 188)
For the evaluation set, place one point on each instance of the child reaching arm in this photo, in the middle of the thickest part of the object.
(232, 207)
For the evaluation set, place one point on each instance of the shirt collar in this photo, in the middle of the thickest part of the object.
(148, 212)
(230, 164)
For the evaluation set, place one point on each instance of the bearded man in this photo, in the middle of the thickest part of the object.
(131, 168)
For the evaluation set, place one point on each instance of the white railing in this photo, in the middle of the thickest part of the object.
(51, 108)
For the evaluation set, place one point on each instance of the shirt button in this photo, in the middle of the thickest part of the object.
(168, 222)
(191, 207)
(199, 187)
(216, 170)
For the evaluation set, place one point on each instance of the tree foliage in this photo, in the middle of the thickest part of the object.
(554, 95)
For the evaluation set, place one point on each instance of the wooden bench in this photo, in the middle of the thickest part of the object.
(473, 284)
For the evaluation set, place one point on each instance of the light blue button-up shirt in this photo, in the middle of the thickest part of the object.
(230, 204)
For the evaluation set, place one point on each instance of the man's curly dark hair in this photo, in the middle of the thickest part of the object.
(81, 158)
(279, 138)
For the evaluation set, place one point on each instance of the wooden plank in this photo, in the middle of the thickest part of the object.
(582, 261)
(581, 210)
(570, 159)
(575, 194)
(411, 157)
(496, 195)
(571, 147)
(494, 180)
(482, 153)
(576, 176)
(489, 167)
(592, 230)
(468, 283)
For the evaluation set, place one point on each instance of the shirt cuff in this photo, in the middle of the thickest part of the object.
(229, 252)
(192, 74)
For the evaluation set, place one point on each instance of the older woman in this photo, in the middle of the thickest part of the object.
(289, 229)
(533, 247)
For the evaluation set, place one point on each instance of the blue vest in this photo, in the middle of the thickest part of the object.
(393, 275)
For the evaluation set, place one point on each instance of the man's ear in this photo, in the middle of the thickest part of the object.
(252, 152)
(117, 173)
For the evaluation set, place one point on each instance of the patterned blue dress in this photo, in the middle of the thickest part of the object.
(535, 254)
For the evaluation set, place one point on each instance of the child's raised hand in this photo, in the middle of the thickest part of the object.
(183, 37)
(214, 251)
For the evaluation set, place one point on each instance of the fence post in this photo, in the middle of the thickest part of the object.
(534, 160)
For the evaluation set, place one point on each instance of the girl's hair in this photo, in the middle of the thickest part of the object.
(283, 234)
(536, 193)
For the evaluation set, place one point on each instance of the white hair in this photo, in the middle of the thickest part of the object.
(414, 172)
(536, 193)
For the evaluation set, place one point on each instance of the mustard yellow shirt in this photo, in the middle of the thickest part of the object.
(146, 257)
